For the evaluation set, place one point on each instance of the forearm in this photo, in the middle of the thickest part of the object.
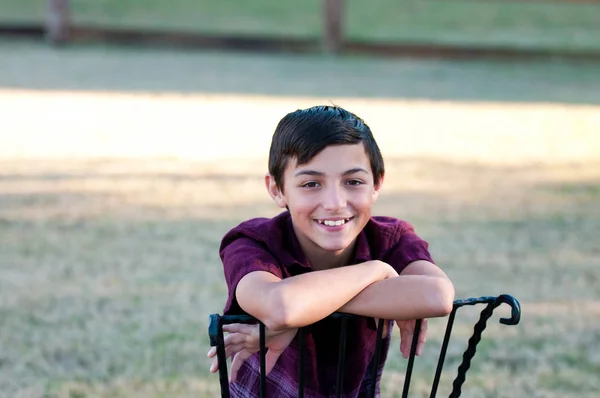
(313, 296)
(305, 299)
(404, 297)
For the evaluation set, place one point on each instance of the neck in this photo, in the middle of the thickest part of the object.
(329, 260)
(321, 259)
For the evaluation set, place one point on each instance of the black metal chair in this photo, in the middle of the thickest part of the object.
(215, 331)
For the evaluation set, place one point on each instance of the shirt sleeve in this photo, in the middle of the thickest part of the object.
(409, 247)
(241, 257)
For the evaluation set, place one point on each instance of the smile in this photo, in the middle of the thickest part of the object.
(335, 223)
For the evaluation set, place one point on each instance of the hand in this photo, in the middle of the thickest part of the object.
(243, 341)
(407, 331)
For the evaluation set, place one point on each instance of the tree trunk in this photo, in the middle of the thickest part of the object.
(57, 21)
(333, 19)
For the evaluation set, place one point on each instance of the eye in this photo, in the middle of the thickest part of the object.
(310, 184)
(354, 183)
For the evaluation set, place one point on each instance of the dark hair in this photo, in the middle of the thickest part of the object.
(306, 132)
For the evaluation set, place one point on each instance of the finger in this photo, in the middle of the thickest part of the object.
(229, 351)
(423, 331)
(408, 342)
(214, 366)
(212, 352)
(419, 350)
(239, 328)
(410, 335)
(422, 337)
(406, 333)
(271, 359)
(236, 364)
(235, 338)
(402, 335)
(234, 349)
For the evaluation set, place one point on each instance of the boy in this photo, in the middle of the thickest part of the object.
(324, 253)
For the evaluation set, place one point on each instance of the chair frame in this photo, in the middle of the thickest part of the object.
(215, 331)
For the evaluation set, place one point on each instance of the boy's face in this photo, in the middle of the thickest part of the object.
(329, 198)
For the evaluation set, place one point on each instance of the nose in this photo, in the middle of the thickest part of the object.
(334, 198)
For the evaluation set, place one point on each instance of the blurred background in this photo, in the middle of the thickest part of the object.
(134, 135)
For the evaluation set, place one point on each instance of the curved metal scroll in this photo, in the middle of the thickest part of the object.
(492, 303)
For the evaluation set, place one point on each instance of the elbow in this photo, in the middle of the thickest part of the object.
(279, 317)
(277, 321)
(444, 299)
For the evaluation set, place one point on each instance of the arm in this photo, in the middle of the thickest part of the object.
(421, 291)
(305, 299)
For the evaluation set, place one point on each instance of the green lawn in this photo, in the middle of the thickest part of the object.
(106, 68)
(109, 267)
(555, 25)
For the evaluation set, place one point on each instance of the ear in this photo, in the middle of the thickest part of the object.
(274, 191)
(376, 189)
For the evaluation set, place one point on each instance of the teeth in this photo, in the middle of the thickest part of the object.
(332, 223)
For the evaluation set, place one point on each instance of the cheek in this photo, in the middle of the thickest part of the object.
(302, 204)
(363, 200)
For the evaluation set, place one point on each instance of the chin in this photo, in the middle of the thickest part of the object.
(334, 246)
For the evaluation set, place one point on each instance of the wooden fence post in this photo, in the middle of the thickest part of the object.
(58, 21)
(333, 20)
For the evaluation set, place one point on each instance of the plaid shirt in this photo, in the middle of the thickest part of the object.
(271, 245)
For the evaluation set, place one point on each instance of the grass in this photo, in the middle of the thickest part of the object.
(105, 293)
(550, 25)
(130, 70)
(109, 264)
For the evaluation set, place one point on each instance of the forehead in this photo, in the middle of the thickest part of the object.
(335, 159)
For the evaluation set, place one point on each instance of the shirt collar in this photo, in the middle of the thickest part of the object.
(362, 250)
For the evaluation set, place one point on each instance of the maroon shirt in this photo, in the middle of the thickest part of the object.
(271, 245)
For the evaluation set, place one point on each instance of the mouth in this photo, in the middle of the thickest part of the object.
(337, 222)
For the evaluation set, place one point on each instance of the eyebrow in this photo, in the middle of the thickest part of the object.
(320, 173)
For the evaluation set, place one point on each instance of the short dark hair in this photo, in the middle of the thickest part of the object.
(303, 134)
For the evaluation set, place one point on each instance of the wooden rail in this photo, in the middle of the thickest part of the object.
(58, 23)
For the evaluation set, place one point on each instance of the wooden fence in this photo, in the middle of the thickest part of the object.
(335, 37)
(58, 23)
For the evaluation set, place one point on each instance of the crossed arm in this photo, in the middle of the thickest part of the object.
(371, 289)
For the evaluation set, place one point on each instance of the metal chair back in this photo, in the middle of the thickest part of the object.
(217, 321)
